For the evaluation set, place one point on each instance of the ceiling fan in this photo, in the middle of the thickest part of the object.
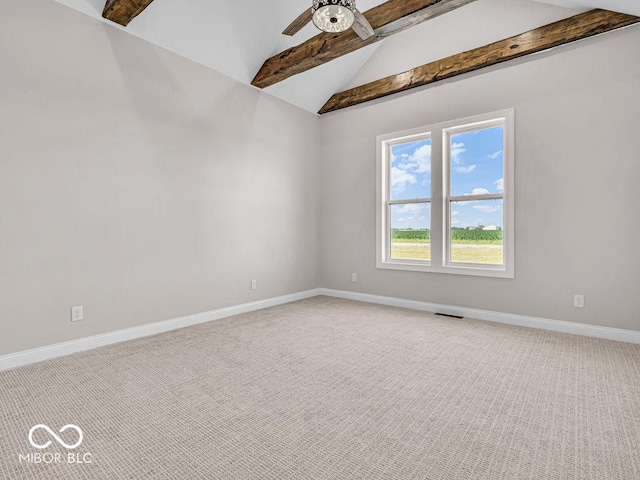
(333, 16)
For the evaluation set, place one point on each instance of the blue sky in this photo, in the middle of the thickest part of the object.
(477, 163)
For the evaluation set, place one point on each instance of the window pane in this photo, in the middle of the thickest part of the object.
(411, 170)
(476, 232)
(410, 238)
(477, 162)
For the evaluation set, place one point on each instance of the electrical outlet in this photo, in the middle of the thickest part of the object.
(354, 277)
(578, 301)
(77, 314)
(254, 284)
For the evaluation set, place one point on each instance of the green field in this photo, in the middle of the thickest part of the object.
(417, 236)
(458, 235)
(468, 246)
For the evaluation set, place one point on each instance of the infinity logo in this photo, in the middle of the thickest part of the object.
(53, 434)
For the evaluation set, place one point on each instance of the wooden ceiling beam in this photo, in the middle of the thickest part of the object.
(123, 11)
(578, 27)
(387, 19)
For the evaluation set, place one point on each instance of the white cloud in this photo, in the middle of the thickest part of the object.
(487, 208)
(479, 191)
(499, 184)
(422, 159)
(468, 169)
(410, 208)
(454, 213)
(457, 149)
(400, 178)
(402, 156)
(419, 161)
(405, 173)
(493, 156)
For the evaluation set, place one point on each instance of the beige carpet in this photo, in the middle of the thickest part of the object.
(333, 389)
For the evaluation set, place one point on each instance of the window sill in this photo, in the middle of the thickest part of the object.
(474, 271)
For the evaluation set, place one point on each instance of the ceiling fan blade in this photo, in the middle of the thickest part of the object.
(298, 23)
(362, 26)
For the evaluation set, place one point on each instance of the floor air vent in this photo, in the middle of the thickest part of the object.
(450, 316)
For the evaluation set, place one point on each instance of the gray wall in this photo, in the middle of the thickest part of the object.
(139, 184)
(577, 115)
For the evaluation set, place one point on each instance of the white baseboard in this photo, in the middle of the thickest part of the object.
(13, 360)
(618, 334)
(18, 359)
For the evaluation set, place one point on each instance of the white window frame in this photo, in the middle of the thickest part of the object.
(441, 197)
(409, 137)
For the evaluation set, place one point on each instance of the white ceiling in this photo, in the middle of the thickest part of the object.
(235, 38)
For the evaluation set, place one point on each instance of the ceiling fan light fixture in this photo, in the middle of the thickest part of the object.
(333, 16)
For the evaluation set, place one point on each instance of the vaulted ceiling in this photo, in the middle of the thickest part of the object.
(235, 38)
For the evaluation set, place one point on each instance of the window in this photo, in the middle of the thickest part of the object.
(445, 197)
(409, 205)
